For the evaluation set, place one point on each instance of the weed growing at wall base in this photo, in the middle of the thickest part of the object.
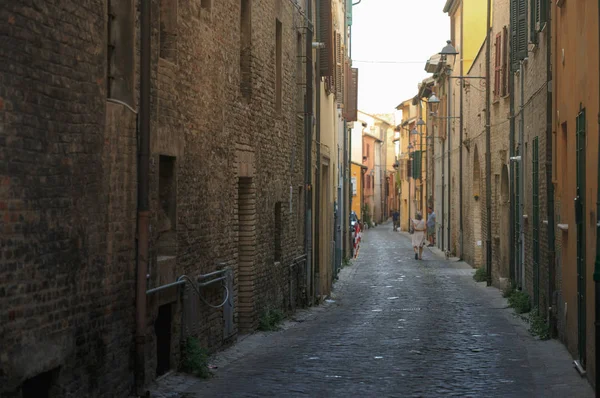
(520, 302)
(480, 275)
(270, 320)
(195, 359)
(538, 326)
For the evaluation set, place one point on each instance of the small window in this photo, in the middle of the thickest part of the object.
(168, 30)
(120, 48)
(206, 5)
(278, 230)
(278, 65)
(40, 386)
(246, 49)
(167, 211)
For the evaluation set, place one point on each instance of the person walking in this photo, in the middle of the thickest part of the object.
(395, 218)
(357, 238)
(418, 238)
(431, 227)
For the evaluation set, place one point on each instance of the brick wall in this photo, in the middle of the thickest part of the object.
(68, 194)
(534, 112)
(68, 204)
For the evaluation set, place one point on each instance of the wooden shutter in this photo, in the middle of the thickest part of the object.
(518, 31)
(338, 68)
(347, 81)
(352, 106)
(326, 55)
(534, 17)
(543, 10)
(498, 66)
(505, 72)
(522, 30)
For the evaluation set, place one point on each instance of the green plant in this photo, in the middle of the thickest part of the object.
(194, 359)
(520, 302)
(538, 326)
(509, 290)
(270, 320)
(346, 262)
(480, 275)
(366, 214)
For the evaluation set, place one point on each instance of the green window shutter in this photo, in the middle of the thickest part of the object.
(416, 169)
(514, 10)
(522, 33)
(534, 18)
(325, 35)
(543, 10)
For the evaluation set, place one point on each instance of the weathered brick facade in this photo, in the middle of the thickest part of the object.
(226, 184)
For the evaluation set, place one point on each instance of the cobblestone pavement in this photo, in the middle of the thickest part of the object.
(400, 328)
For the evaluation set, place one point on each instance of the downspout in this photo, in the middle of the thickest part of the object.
(488, 154)
(449, 133)
(308, 138)
(460, 143)
(511, 89)
(549, 184)
(316, 276)
(441, 241)
(597, 262)
(143, 226)
(521, 176)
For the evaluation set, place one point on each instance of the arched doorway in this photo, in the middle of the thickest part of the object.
(504, 225)
(476, 215)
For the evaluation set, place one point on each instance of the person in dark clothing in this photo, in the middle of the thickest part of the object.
(396, 219)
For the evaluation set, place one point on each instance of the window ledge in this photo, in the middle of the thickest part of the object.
(563, 227)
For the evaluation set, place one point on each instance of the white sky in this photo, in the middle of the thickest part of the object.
(399, 31)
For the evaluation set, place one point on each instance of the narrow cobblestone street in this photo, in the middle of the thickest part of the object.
(402, 328)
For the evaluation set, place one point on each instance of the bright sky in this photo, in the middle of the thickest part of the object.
(403, 31)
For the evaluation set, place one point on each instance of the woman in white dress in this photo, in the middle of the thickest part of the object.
(418, 237)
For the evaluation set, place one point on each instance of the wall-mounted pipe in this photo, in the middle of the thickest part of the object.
(488, 150)
(597, 262)
(549, 184)
(143, 222)
(308, 138)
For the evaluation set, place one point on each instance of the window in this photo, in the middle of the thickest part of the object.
(518, 24)
(562, 159)
(325, 35)
(245, 48)
(300, 74)
(534, 18)
(206, 5)
(278, 230)
(278, 66)
(339, 67)
(538, 17)
(168, 30)
(167, 211)
(120, 47)
(498, 66)
(504, 89)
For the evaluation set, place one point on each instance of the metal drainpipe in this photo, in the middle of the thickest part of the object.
(488, 154)
(521, 176)
(449, 123)
(316, 283)
(511, 89)
(549, 184)
(597, 262)
(460, 144)
(308, 138)
(443, 176)
(143, 194)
